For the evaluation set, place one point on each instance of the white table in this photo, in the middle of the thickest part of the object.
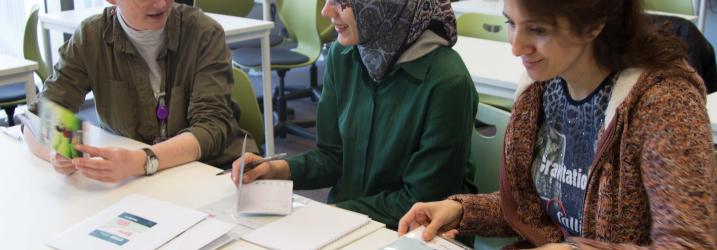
(16, 70)
(375, 240)
(235, 28)
(495, 7)
(38, 203)
(712, 112)
(494, 69)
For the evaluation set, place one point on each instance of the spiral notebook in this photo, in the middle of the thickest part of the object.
(311, 227)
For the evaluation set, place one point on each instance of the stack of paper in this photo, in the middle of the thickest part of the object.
(312, 227)
(138, 222)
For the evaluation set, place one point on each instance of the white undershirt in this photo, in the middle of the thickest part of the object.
(147, 43)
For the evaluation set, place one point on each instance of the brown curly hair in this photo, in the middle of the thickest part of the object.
(628, 39)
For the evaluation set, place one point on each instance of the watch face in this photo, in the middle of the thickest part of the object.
(152, 164)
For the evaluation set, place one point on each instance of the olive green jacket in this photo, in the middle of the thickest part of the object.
(100, 58)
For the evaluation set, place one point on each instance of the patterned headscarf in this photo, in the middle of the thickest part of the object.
(388, 27)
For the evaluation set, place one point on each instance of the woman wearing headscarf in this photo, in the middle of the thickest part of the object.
(396, 112)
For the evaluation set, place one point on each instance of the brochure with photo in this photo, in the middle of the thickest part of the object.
(60, 129)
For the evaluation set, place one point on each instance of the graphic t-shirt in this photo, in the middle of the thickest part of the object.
(565, 148)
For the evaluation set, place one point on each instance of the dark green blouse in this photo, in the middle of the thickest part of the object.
(386, 145)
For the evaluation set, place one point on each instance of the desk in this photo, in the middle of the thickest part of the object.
(495, 7)
(375, 240)
(712, 113)
(38, 203)
(16, 70)
(235, 29)
(493, 68)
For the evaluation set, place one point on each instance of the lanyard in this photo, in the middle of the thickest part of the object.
(162, 110)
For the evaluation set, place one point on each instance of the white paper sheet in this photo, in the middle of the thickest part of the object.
(312, 227)
(199, 235)
(135, 222)
(265, 197)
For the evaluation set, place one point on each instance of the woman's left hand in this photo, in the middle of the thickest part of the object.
(110, 164)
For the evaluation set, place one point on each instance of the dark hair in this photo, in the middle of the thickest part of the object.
(628, 39)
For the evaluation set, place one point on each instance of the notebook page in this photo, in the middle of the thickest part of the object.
(266, 197)
(312, 227)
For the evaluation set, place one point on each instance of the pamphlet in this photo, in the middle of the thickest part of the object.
(135, 222)
(60, 129)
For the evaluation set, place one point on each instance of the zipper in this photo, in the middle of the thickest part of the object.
(605, 140)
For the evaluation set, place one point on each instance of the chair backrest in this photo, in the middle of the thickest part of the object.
(673, 6)
(324, 25)
(239, 8)
(486, 151)
(300, 19)
(243, 94)
(31, 45)
(483, 26)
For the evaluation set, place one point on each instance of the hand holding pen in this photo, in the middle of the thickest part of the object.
(279, 169)
(252, 164)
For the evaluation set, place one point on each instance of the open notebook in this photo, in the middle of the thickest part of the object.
(312, 227)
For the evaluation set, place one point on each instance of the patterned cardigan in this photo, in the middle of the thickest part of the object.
(653, 182)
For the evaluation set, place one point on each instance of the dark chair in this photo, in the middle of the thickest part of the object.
(700, 53)
(300, 18)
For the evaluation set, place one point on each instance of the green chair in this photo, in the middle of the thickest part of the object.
(673, 6)
(300, 18)
(323, 25)
(31, 46)
(489, 27)
(326, 35)
(239, 8)
(13, 95)
(483, 26)
(243, 94)
(486, 154)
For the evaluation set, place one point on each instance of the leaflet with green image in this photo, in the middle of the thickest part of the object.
(61, 129)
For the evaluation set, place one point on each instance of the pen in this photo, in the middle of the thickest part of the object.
(8, 133)
(253, 164)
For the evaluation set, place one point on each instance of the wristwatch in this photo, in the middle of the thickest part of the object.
(152, 164)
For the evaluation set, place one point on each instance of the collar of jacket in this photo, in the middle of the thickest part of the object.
(417, 69)
(114, 33)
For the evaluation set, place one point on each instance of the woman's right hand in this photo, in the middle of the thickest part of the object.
(268, 170)
(438, 217)
(62, 164)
